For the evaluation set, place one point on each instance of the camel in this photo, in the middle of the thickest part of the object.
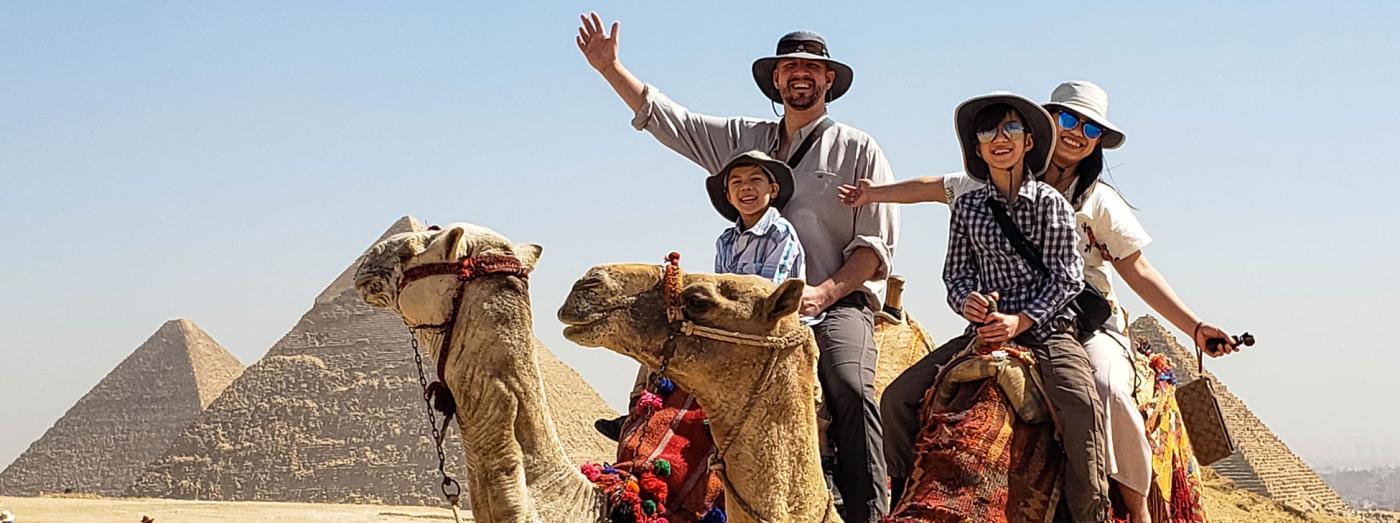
(735, 343)
(517, 469)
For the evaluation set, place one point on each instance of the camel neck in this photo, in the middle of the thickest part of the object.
(506, 421)
(756, 445)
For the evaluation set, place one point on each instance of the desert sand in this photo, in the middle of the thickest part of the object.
(130, 510)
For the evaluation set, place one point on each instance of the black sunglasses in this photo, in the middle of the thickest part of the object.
(802, 46)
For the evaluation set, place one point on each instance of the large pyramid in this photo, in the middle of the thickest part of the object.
(128, 420)
(1262, 464)
(334, 413)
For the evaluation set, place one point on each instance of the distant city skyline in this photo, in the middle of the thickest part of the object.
(224, 162)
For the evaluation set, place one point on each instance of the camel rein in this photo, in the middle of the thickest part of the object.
(436, 395)
(681, 327)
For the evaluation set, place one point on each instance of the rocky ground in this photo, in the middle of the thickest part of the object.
(1227, 504)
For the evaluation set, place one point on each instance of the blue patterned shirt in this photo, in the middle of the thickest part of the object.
(769, 249)
(981, 258)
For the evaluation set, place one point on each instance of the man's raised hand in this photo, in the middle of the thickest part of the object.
(599, 47)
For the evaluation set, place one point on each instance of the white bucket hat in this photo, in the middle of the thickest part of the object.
(7, 516)
(1089, 100)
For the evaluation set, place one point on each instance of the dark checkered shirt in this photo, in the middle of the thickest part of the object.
(981, 258)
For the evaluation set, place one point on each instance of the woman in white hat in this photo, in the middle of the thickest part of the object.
(1109, 233)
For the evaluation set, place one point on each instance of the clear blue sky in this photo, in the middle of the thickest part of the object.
(223, 161)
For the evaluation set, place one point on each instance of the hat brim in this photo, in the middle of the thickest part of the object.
(763, 75)
(782, 175)
(1113, 137)
(1041, 126)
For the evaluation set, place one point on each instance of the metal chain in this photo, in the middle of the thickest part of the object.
(451, 489)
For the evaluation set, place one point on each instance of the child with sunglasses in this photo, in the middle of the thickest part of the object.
(1006, 141)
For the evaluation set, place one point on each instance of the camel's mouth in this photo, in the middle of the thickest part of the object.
(579, 327)
(376, 292)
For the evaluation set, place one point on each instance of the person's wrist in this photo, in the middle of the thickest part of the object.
(612, 69)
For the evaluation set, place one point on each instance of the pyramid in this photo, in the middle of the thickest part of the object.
(1262, 463)
(334, 413)
(125, 422)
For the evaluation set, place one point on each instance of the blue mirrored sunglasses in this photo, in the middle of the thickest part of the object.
(1069, 121)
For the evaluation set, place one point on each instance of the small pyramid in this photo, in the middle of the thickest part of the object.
(128, 420)
(334, 413)
(1262, 463)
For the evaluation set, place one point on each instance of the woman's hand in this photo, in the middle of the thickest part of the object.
(855, 195)
(976, 305)
(1206, 332)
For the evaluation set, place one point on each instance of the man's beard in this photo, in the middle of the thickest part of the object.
(802, 102)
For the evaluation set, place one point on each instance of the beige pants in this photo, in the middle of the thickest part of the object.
(1129, 455)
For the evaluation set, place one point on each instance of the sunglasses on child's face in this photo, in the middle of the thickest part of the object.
(1013, 130)
(1068, 121)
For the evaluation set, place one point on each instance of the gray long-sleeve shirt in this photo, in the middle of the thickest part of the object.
(830, 231)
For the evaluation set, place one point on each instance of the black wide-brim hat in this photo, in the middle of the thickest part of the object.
(1037, 119)
(778, 171)
(806, 45)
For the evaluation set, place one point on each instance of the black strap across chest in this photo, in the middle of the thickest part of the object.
(1023, 246)
(807, 142)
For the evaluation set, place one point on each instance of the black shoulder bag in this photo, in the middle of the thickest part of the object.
(806, 144)
(1091, 308)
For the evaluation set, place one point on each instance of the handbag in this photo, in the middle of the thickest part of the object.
(1091, 308)
(1200, 412)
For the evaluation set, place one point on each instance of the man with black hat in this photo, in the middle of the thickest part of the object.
(849, 251)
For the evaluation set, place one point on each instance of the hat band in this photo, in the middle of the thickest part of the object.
(802, 46)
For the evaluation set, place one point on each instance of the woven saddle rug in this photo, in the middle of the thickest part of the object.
(976, 461)
(1176, 482)
(676, 434)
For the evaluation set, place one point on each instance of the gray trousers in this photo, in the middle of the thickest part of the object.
(1069, 381)
(846, 369)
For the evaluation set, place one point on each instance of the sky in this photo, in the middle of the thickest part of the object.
(224, 161)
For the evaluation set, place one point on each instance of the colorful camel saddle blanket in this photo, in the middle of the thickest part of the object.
(977, 458)
(1012, 370)
(662, 471)
(1176, 476)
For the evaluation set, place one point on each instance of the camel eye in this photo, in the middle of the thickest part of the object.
(698, 301)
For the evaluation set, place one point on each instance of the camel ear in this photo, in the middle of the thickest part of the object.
(452, 241)
(529, 254)
(786, 299)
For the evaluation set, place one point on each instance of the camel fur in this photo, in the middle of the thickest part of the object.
(769, 427)
(517, 469)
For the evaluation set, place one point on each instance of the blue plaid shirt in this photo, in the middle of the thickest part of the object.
(769, 249)
(981, 258)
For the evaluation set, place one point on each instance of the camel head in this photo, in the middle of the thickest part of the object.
(621, 307)
(428, 301)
